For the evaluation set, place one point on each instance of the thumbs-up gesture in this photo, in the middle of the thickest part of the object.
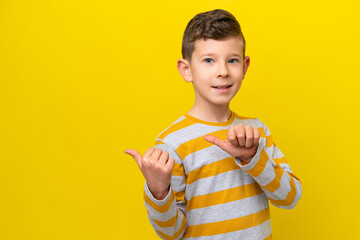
(241, 142)
(156, 167)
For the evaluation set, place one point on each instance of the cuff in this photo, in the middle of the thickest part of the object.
(157, 201)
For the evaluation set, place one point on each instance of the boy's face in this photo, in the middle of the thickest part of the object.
(216, 70)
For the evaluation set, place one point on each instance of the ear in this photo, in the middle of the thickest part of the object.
(183, 66)
(246, 65)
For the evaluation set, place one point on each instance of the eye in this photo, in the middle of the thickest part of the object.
(233, 60)
(208, 60)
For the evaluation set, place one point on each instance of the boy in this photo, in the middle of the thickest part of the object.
(212, 172)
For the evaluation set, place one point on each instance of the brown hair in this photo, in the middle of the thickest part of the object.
(216, 24)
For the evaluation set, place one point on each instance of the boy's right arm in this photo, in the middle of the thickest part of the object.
(166, 214)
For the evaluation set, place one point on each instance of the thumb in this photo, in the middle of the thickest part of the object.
(214, 140)
(135, 154)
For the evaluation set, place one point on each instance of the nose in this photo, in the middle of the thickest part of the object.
(222, 70)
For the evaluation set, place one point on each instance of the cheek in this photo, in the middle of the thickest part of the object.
(199, 84)
(237, 86)
(238, 73)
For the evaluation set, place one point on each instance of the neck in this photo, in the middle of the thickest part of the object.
(213, 113)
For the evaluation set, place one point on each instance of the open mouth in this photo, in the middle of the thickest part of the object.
(222, 86)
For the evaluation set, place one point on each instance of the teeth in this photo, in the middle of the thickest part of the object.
(223, 87)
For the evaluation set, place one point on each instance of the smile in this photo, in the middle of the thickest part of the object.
(222, 89)
(222, 86)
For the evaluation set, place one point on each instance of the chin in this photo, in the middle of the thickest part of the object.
(222, 103)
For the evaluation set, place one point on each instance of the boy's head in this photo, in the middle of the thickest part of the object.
(217, 24)
(213, 57)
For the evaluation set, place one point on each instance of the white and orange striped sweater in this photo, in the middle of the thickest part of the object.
(213, 196)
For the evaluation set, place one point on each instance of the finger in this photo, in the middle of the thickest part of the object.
(249, 136)
(240, 134)
(156, 154)
(170, 163)
(214, 140)
(256, 136)
(231, 136)
(136, 155)
(147, 154)
(164, 157)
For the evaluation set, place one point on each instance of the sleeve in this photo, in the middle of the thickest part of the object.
(272, 172)
(168, 216)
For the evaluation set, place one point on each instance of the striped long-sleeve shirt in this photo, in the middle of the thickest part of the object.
(212, 195)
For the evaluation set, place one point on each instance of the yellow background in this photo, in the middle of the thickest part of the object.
(80, 81)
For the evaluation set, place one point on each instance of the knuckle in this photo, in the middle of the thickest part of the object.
(248, 127)
(164, 155)
(158, 167)
(145, 164)
(164, 170)
(231, 138)
(239, 129)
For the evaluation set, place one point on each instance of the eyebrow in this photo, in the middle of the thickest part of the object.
(212, 54)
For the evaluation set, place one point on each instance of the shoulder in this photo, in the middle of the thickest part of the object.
(174, 132)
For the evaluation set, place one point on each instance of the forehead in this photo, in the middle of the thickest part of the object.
(228, 46)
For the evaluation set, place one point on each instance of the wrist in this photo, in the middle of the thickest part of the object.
(244, 161)
(160, 195)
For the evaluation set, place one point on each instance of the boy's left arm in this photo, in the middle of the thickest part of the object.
(272, 172)
(268, 166)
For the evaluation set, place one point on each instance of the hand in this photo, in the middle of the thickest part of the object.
(242, 141)
(156, 167)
